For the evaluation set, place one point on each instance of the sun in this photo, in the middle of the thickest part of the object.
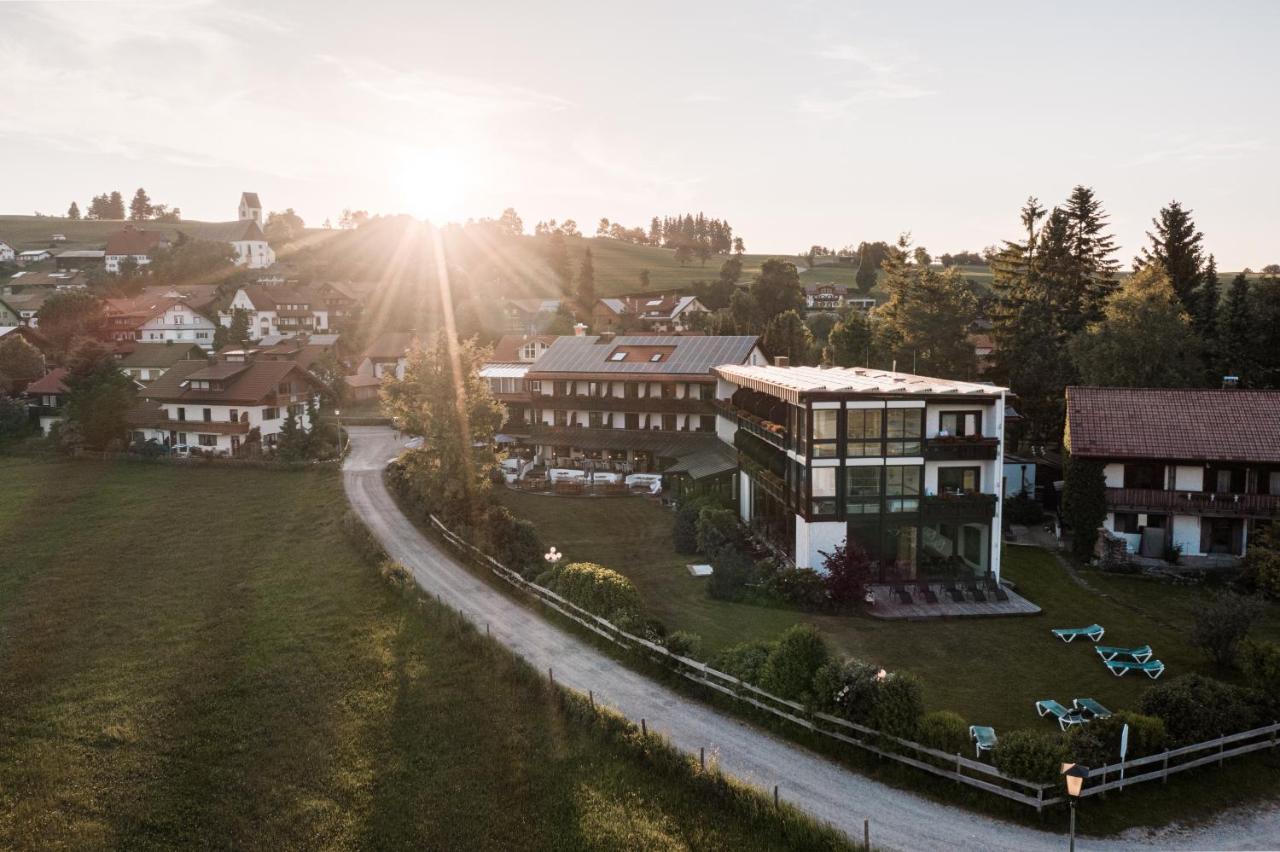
(432, 185)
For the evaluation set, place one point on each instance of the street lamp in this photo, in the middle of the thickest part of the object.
(337, 419)
(553, 556)
(1074, 774)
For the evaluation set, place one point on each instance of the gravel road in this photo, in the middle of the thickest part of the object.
(899, 820)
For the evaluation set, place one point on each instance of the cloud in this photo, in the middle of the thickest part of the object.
(857, 76)
(1201, 150)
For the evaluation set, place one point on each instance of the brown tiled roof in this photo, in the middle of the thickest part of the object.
(390, 345)
(253, 383)
(50, 382)
(507, 349)
(1183, 424)
(134, 241)
(159, 354)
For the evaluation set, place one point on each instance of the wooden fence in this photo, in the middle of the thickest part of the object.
(955, 767)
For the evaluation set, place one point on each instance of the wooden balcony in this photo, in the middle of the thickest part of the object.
(1192, 502)
(976, 448)
(766, 430)
(959, 507)
(643, 404)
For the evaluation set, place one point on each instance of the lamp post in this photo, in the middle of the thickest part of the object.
(337, 419)
(553, 556)
(1074, 774)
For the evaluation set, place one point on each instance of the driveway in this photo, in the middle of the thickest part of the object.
(899, 820)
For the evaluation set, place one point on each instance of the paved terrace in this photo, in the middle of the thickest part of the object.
(890, 608)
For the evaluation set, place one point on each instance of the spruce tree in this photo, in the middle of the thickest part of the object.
(1206, 302)
(586, 286)
(1175, 247)
(1094, 267)
(115, 206)
(73, 212)
(140, 206)
(1235, 332)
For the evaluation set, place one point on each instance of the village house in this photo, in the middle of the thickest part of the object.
(152, 320)
(1190, 473)
(7, 253)
(283, 311)
(45, 397)
(26, 306)
(146, 362)
(828, 296)
(660, 314)
(133, 243)
(387, 354)
(633, 403)
(79, 259)
(513, 356)
(26, 258)
(909, 467)
(304, 350)
(221, 407)
(245, 236)
(529, 316)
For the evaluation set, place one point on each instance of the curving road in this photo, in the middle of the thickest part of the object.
(899, 820)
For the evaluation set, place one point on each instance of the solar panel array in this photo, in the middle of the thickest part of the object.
(692, 355)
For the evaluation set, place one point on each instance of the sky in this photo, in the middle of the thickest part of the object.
(798, 122)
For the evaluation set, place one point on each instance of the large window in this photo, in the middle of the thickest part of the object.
(901, 554)
(959, 480)
(208, 440)
(823, 481)
(706, 422)
(668, 422)
(1144, 476)
(902, 488)
(595, 419)
(959, 423)
(826, 429)
(631, 390)
(862, 490)
(865, 431)
(905, 426)
(562, 418)
(632, 421)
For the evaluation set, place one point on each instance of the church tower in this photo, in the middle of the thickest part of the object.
(250, 207)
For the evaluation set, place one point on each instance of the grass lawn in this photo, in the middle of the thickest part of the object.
(990, 670)
(199, 657)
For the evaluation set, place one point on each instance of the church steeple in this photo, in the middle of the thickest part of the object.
(250, 207)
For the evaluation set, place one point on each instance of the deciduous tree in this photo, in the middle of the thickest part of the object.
(924, 324)
(786, 334)
(73, 212)
(99, 395)
(20, 364)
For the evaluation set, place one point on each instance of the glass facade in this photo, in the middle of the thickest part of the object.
(904, 432)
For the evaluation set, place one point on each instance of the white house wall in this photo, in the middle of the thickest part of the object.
(1114, 474)
(1189, 477)
(814, 538)
(1186, 534)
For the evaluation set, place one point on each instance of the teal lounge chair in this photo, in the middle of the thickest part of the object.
(1066, 718)
(1091, 708)
(984, 739)
(1152, 668)
(1106, 652)
(1093, 631)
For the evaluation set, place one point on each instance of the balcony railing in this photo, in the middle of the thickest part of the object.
(766, 430)
(973, 506)
(1192, 502)
(657, 404)
(975, 448)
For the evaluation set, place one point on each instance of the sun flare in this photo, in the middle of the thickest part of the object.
(432, 186)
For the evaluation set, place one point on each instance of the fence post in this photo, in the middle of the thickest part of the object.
(866, 834)
(1220, 748)
(1040, 800)
(551, 677)
(702, 758)
(958, 769)
(591, 697)
(1165, 779)
(775, 795)
(644, 729)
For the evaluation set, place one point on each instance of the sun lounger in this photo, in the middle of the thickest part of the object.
(975, 592)
(1091, 708)
(1066, 634)
(927, 593)
(955, 594)
(984, 739)
(904, 597)
(999, 593)
(1152, 668)
(1107, 653)
(1066, 718)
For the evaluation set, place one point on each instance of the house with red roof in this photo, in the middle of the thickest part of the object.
(1190, 472)
(133, 243)
(158, 319)
(45, 397)
(221, 407)
(278, 310)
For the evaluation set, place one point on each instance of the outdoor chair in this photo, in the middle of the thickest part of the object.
(1108, 653)
(927, 593)
(1091, 708)
(1066, 634)
(904, 597)
(998, 592)
(1066, 718)
(1152, 668)
(976, 592)
(955, 594)
(984, 739)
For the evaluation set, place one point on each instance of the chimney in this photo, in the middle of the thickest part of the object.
(1230, 382)
(606, 337)
(781, 361)
(580, 329)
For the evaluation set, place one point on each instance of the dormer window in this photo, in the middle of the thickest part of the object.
(618, 356)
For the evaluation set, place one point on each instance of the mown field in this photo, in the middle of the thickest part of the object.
(990, 670)
(201, 658)
(34, 232)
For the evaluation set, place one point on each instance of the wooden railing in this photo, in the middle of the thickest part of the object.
(1193, 502)
(975, 448)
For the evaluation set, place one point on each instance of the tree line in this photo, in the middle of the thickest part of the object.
(110, 206)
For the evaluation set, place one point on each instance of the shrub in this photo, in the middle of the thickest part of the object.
(847, 688)
(944, 730)
(360, 537)
(395, 574)
(684, 644)
(1196, 708)
(1084, 504)
(596, 589)
(744, 661)
(1098, 743)
(1260, 662)
(789, 671)
(848, 570)
(513, 541)
(684, 532)
(718, 530)
(732, 569)
(801, 587)
(899, 705)
(1223, 623)
(1023, 509)
(1261, 568)
(1031, 755)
